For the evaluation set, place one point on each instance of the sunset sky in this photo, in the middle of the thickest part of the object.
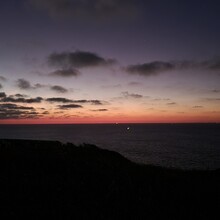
(109, 61)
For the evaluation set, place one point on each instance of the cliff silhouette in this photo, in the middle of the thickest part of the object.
(62, 181)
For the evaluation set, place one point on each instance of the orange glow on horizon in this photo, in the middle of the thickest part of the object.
(113, 120)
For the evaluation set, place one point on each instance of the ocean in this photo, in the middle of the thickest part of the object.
(185, 146)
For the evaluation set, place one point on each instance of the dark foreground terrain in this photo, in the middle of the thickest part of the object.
(51, 180)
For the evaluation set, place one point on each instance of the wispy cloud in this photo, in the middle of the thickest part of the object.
(213, 64)
(2, 78)
(26, 85)
(134, 83)
(161, 99)
(215, 91)
(171, 103)
(59, 99)
(111, 86)
(197, 106)
(65, 72)
(92, 9)
(70, 106)
(59, 89)
(100, 110)
(96, 102)
(131, 95)
(212, 99)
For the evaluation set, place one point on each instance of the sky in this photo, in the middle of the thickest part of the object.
(109, 61)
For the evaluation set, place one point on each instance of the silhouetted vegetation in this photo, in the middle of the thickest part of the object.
(47, 179)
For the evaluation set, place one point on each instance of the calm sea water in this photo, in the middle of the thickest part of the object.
(187, 146)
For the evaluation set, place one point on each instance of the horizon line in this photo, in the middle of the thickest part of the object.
(110, 123)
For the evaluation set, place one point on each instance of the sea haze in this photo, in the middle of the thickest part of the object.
(186, 146)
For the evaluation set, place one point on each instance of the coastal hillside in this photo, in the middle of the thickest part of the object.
(63, 181)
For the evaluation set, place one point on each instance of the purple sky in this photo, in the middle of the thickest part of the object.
(75, 61)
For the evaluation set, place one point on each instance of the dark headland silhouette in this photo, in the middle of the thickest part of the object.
(48, 179)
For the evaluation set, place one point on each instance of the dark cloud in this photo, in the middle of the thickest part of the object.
(14, 111)
(65, 73)
(152, 68)
(93, 102)
(58, 99)
(12, 114)
(157, 67)
(38, 86)
(45, 113)
(131, 95)
(24, 84)
(18, 98)
(21, 100)
(59, 89)
(78, 59)
(100, 110)
(17, 114)
(15, 107)
(80, 101)
(20, 95)
(3, 95)
(95, 9)
(70, 106)
(96, 102)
